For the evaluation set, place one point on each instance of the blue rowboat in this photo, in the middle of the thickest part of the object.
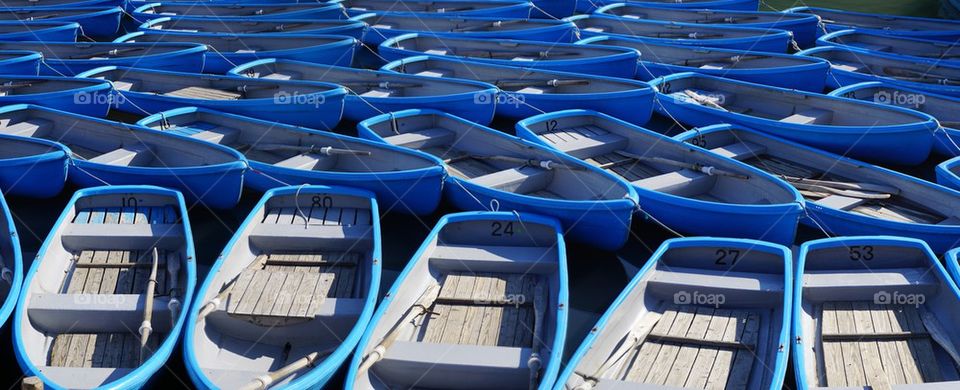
(775, 69)
(20, 62)
(680, 186)
(944, 108)
(91, 288)
(488, 169)
(843, 196)
(144, 92)
(873, 294)
(388, 25)
(863, 130)
(522, 258)
(690, 34)
(189, 25)
(852, 66)
(228, 10)
(68, 59)
(373, 92)
(32, 167)
(39, 31)
(488, 8)
(12, 264)
(564, 57)
(323, 266)
(837, 20)
(948, 173)
(95, 22)
(728, 5)
(281, 155)
(528, 92)
(702, 284)
(85, 97)
(107, 152)
(229, 50)
(928, 49)
(803, 27)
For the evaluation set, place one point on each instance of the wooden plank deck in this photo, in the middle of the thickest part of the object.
(695, 347)
(867, 344)
(99, 350)
(491, 309)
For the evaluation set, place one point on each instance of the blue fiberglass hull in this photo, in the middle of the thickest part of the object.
(39, 31)
(947, 173)
(618, 62)
(774, 220)
(808, 74)
(941, 77)
(202, 365)
(684, 261)
(603, 222)
(315, 105)
(414, 188)
(176, 234)
(634, 98)
(924, 49)
(217, 184)
(90, 97)
(20, 62)
(585, 6)
(688, 34)
(905, 140)
(321, 49)
(13, 262)
(804, 27)
(468, 99)
(36, 168)
(69, 59)
(837, 220)
(946, 140)
(895, 25)
(95, 22)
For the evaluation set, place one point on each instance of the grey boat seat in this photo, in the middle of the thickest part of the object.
(125, 84)
(285, 75)
(683, 182)
(84, 377)
(740, 150)
(847, 65)
(585, 141)
(722, 282)
(308, 161)
(210, 132)
(904, 280)
(426, 138)
(409, 363)
(126, 155)
(809, 116)
(494, 258)
(521, 180)
(33, 127)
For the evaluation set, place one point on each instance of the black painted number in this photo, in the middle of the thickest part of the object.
(128, 202)
(858, 252)
(322, 201)
(727, 256)
(551, 125)
(498, 229)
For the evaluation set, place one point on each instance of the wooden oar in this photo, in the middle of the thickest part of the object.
(703, 100)
(499, 23)
(12, 86)
(509, 54)
(145, 327)
(324, 150)
(263, 382)
(534, 364)
(377, 84)
(726, 60)
(951, 124)
(693, 35)
(419, 308)
(912, 75)
(728, 19)
(545, 164)
(882, 191)
(516, 83)
(111, 52)
(173, 281)
(632, 340)
(705, 169)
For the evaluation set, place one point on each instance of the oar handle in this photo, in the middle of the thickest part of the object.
(145, 327)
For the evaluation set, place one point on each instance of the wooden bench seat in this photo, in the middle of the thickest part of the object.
(33, 127)
(695, 347)
(158, 215)
(740, 150)
(519, 180)
(683, 182)
(866, 343)
(127, 155)
(809, 116)
(585, 141)
(425, 138)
